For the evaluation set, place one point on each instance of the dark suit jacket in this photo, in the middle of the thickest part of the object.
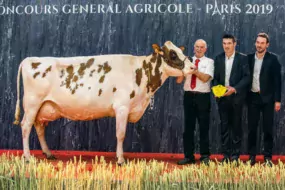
(270, 77)
(239, 78)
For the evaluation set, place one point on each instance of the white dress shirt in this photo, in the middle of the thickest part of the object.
(256, 73)
(206, 66)
(228, 66)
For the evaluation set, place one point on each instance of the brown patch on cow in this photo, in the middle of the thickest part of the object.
(101, 80)
(176, 63)
(91, 72)
(81, 69)
(132, 94)
(100, 68)
(114, 89)
(153, 58)
(139, 76)
(35, 65)
(84, 66)
(71, 78)
(106, 67)
(46, 71)
(153, 81)
(75, 78)
(90, 62)
(74, 89)
(70, 75)
(61, 73)
(36, 74)
(100, 92)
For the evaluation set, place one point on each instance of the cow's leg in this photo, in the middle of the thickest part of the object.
(27, 124)
(122, 113)
(41, 135)
(31, 107)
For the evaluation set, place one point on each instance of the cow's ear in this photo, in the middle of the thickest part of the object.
(157, 49)
(182, 48)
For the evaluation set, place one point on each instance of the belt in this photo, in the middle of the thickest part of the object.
(196, 92)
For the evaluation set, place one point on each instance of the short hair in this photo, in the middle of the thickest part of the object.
(201, 40)
(229, 36)
(264, 35)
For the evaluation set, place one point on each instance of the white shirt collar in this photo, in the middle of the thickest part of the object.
(232, 56)
(256, 58)
(194, 57)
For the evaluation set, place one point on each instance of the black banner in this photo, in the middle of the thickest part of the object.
(81, 28)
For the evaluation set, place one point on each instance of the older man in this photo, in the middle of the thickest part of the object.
(197, 104)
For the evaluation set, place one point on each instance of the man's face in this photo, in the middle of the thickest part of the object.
(229, 45)
(200, 49)
(261, 44)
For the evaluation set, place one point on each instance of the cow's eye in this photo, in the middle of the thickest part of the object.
(172, 55)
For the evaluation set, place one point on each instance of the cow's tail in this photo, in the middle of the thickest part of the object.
(18, 109)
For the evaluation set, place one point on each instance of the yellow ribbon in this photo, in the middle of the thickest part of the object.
(219, 90)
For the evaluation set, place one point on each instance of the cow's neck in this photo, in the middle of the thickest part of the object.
(152, 69)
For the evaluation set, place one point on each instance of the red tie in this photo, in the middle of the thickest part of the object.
(193, 78)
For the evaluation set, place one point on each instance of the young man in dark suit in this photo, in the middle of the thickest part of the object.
(232, 71)
(264, 95)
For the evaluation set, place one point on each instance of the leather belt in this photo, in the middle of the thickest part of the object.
(196, 92)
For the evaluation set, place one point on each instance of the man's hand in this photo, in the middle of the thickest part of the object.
(230, 91)
(179, 79)
(195, 71)
(277, 106)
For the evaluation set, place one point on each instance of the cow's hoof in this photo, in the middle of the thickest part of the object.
(26, 160)
(50, 157)
(121, 163)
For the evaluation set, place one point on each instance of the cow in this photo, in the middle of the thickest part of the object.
(93, 87)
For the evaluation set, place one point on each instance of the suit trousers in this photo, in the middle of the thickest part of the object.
(255, 107)
(230, 110)
(196, 106)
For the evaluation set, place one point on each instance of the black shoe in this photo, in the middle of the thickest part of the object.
(268, 162)
(205, 161)
(186, 161)
(252, 160)
(235, 159)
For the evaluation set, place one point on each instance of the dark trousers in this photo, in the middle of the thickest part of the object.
(255, 107)
(230, 110)
(196, 106)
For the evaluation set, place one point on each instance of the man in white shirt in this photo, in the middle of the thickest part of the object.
(232, 71)
(264, 96)
(197, 104)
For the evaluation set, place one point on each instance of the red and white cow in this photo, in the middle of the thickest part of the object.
(92, 87)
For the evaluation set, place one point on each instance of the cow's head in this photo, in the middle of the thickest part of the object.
(175, 62)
